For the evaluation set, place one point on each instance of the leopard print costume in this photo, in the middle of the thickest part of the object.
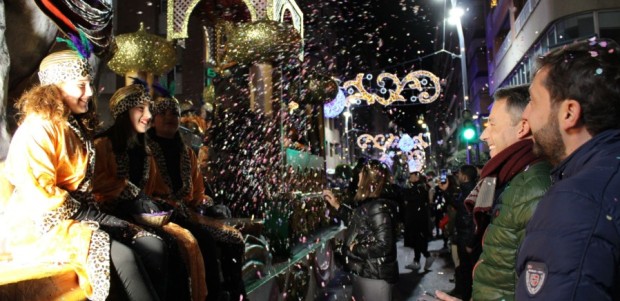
(98, 259)
(219, 231)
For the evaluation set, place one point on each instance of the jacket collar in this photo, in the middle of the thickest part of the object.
(580, 157)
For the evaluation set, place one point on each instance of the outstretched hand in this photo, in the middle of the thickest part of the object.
(329, 196)
(445, 297)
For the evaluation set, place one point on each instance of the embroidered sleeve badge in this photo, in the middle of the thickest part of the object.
(535, 275)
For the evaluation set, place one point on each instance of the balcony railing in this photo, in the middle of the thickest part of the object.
(526, 12)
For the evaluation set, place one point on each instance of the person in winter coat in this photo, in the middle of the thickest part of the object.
(370, 238)
(511, 184)
(571, 249)
(417, 221)
(467, 249)
(520, 179)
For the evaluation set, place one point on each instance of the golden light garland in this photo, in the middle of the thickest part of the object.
(421, 81)
(142, 51)
(384, 142)
(365, 141)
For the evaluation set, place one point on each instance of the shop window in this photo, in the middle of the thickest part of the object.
(574, 28)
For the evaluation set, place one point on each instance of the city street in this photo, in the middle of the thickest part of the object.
(411, 284)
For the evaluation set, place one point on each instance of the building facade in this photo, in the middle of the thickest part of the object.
(519, 31)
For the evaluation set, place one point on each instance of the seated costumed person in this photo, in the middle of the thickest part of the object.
(119, 186)
(51, 214)
(179, 183)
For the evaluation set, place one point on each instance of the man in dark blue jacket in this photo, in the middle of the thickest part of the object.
(571, 249)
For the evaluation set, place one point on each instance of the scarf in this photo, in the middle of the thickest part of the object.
(496, 173)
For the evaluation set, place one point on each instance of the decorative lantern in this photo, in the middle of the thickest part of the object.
(262, 41)
(141, 51)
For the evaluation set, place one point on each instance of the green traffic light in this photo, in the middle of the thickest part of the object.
(469, 134)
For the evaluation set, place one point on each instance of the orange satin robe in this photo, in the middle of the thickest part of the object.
(45, 161)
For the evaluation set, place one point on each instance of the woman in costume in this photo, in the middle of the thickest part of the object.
(121, 174)
(180, 184)
(50, 164)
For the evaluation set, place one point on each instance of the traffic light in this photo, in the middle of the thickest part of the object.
(469, 132)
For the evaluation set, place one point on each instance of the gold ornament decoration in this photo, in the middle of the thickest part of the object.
(424, 82)
(262, 41)
(141, 51)
(382, 142)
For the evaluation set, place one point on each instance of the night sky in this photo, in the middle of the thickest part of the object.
(373, 37)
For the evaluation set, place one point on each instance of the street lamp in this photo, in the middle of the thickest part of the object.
(455, 19)
(469, 133)
(347, 116)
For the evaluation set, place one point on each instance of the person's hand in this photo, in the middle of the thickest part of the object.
(445, 297)
(351, 247)
(329, 196)
(469, 250)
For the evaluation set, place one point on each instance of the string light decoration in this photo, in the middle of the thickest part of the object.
(412, 147)
(336, 106)
(424, 82)
(405, 143)
(366, 141)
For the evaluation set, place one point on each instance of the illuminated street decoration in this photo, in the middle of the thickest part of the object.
(406, 143)
(336, 106)
(425, 83)
(415, 160)
(366, 141)
(280, 8)
(412, 147)
(384, 142)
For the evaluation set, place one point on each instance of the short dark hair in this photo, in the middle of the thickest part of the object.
(588, 72)
(469, 171)
(517, 98)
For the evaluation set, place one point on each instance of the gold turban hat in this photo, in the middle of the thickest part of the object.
(128, 97)
(63, 66)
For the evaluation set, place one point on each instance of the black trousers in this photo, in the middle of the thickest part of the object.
(128, 271)
(140, 262)
(463, 273)
(420, 246)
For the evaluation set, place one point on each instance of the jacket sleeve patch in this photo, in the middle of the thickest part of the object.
(535, 275)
